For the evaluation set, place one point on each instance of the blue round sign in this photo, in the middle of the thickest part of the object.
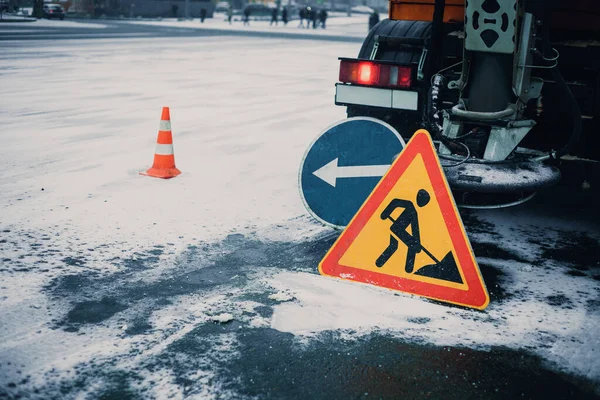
(343, 165)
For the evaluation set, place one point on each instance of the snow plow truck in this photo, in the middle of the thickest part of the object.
(508, 89)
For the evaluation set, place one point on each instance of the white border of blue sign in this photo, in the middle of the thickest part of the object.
(391, 128)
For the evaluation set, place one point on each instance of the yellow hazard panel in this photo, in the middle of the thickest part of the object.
(408, 235)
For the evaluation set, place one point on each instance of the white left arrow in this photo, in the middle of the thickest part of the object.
(330, 172)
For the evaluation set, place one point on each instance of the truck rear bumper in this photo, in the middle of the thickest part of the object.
(376, 97)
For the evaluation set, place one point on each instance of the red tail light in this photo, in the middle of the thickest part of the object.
(368, 73)
(374, 74)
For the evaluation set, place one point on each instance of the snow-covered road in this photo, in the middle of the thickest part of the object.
(110, 282)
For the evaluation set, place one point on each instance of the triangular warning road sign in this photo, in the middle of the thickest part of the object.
(408, 235)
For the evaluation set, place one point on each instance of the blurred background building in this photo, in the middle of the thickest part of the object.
(177, 8)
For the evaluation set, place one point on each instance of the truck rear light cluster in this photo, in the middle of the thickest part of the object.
(374, 74)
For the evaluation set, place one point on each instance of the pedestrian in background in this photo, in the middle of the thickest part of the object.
(303, 16)
(229, 13)
(284, 16)
(273, 17)
(246, 16)
(323, 18)
(202, 15)
(313, 18)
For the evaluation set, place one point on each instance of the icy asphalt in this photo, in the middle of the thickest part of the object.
(114, 285)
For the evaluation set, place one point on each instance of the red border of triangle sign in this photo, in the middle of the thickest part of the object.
(472, 293)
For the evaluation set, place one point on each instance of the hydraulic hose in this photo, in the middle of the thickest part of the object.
(562, 84)
(435, 118)
(434, 95)
(482, 116)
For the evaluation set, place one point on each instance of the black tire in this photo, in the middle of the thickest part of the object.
(404, 29)
(405, 122)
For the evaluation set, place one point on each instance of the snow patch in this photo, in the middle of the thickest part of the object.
(281, 296)
(222, 318)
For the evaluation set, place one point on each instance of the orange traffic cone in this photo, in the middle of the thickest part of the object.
(164, 158)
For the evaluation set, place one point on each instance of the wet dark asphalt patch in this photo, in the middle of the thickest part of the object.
(94, 311)
(380, 366)
(139, 325)
(74, 261)
(201, 268)
(494, 283)
(273, 365)
(139, 261)
(577, 249)
(559, 300)
(117, 383)
(263, 363)
(419, 320)
(492, 250)
(574, 272)
(475, 225)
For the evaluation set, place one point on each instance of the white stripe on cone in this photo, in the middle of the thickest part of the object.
(164, 149)
(164, 125)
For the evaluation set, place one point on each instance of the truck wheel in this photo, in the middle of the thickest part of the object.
(404, 29)
(405, 122)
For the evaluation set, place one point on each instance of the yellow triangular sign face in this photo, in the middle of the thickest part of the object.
(408, 235)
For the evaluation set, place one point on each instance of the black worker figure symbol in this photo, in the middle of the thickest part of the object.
(446, 269)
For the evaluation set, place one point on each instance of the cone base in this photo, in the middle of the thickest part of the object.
(164, 173)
